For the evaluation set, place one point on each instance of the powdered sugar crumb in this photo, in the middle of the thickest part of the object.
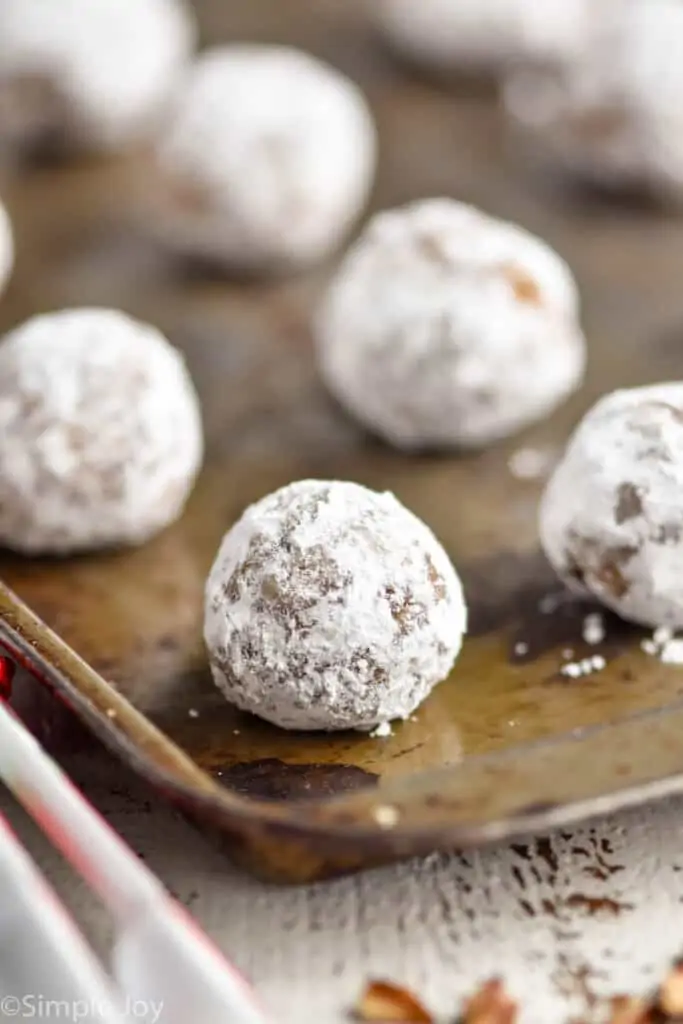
(593, 629)
(386, 816)
(664, 645)
(529, 463)
(382, 730)
(585, 667)
(672, 653)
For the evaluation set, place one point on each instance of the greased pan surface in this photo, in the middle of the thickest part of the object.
(506, 743)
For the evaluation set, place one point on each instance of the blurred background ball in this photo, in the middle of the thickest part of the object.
(613, 115)
(267, 161)
(480, 36)
(88, 74)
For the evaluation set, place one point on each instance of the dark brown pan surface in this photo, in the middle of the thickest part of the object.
(135, 617)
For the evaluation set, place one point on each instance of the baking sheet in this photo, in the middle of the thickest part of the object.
(501, 732)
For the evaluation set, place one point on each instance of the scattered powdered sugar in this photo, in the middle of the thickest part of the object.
(330, 606)
(76, 51)
(521, 648)
(100, 432)
(256, 183)
(193, 713)
(593, 629)
(447, 327)
(662, 635)
(664, 645)
(585, 667)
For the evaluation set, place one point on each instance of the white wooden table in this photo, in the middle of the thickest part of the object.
(584, 912)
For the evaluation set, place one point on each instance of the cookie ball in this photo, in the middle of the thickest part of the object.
(480, 36)
(89, 74)
(100, 432)
(612, 116)
(267, 161)
(611, 519)
(6, 247)
(447, 327)
(330, 606)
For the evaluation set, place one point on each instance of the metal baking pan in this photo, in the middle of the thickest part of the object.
(504, 745)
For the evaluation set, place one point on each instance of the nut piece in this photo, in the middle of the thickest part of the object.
(629, 1010)
(6, 247)
(89, 74)
(257, 184)
(446, 327)
(611, 521)
(670, 1000)
(490, 1005)
(612, 114)
(481, 36)
(385, 1002)
(330, 606)
(100, 432)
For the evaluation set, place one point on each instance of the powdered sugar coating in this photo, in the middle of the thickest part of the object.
(6, 247)
(613, 114)
(100, 432)
(447, 327)
(330, 606)
(268, 160)
(611, 519)
(481, 35)
(91, 72)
